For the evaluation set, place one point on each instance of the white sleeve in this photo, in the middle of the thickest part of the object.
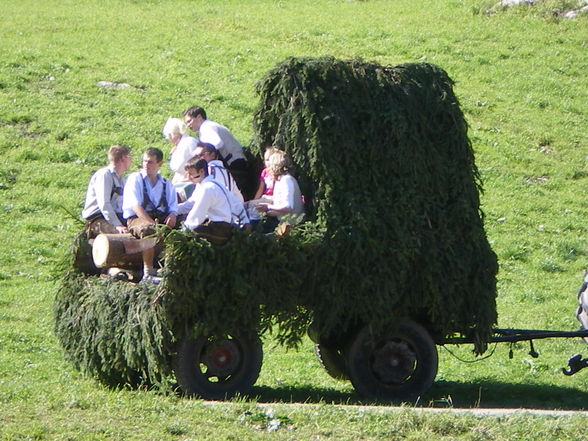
(209, 134)
(100, 182)
(184, 152)
(172, 198)
(132, 195)
(235, 189)
(103, 187)
(185, 207)
(176, 161)
(284, 199)
(238, 209)
(199, 210)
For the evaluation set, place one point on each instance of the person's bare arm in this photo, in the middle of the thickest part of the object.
(260, 189)
(171, 220)
(142, 214)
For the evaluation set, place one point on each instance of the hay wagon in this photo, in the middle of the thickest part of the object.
(391, 261)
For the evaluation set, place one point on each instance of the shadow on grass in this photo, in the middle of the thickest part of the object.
(443, 394)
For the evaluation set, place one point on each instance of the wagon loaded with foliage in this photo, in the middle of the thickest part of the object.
(391, 260)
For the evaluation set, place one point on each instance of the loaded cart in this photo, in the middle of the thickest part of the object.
(391, 260)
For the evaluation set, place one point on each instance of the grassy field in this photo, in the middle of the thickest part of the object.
(521, 79)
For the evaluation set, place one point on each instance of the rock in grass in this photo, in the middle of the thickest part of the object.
(113, 85)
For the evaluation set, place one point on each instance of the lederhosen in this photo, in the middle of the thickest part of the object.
(159, 213)
(218, 232)
(239, 169)
(97, 224)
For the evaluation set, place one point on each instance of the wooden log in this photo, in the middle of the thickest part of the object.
(120, 250)
(82, 255)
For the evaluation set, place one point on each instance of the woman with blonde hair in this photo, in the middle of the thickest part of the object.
(183, 147)
(266, 183)
(286, 202)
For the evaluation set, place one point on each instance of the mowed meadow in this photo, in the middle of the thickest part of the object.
(520, 75)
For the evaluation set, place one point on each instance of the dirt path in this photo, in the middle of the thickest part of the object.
(479, 412)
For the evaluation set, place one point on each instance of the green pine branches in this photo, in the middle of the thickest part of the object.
(393, 230)
(384, 155)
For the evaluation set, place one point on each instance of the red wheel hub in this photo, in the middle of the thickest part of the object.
(222, 358)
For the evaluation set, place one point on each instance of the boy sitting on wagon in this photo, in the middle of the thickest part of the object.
(212, 211)
(103, 207)
(149, 199)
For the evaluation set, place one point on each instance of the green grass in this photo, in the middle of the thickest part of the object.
(520, 77)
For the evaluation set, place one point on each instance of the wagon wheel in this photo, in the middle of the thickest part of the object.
(396, 365)
(332, 360)
(217, 368)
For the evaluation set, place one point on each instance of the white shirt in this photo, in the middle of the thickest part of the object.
(287, 195)
(209, 201)
(104, 195)
(133, 194)
(184, 151)
(220, 137)
(217, 170)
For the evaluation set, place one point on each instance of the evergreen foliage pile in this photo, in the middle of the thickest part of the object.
(385, 159)
(124, 333)
(112, 331)
(393, 230)
(252, 284)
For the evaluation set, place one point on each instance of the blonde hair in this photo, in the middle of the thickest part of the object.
(117, 152)
(279, 163)
(173, 126)
(269, 151)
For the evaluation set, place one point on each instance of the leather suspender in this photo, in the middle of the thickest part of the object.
(162, 200)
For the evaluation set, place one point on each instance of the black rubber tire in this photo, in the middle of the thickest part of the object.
(333, 361)
(398, 365)
(216, 369)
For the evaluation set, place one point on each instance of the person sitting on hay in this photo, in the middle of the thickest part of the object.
(149, 199)
(212, 211)
(103, 208)
(286, 203)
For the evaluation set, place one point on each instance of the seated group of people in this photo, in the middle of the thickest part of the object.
(204, 194)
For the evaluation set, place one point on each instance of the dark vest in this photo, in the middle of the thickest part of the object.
(162, 207)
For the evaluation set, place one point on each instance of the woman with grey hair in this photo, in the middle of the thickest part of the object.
(183, 147)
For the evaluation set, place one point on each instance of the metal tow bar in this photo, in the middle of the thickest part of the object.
(575, 363)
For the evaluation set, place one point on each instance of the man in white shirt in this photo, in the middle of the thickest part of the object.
(212, 210)
(149, 199)
(217, 169)
(229, 149)
(103, 207)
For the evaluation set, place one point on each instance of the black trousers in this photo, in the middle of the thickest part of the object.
(241, 171)
(215, 232)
